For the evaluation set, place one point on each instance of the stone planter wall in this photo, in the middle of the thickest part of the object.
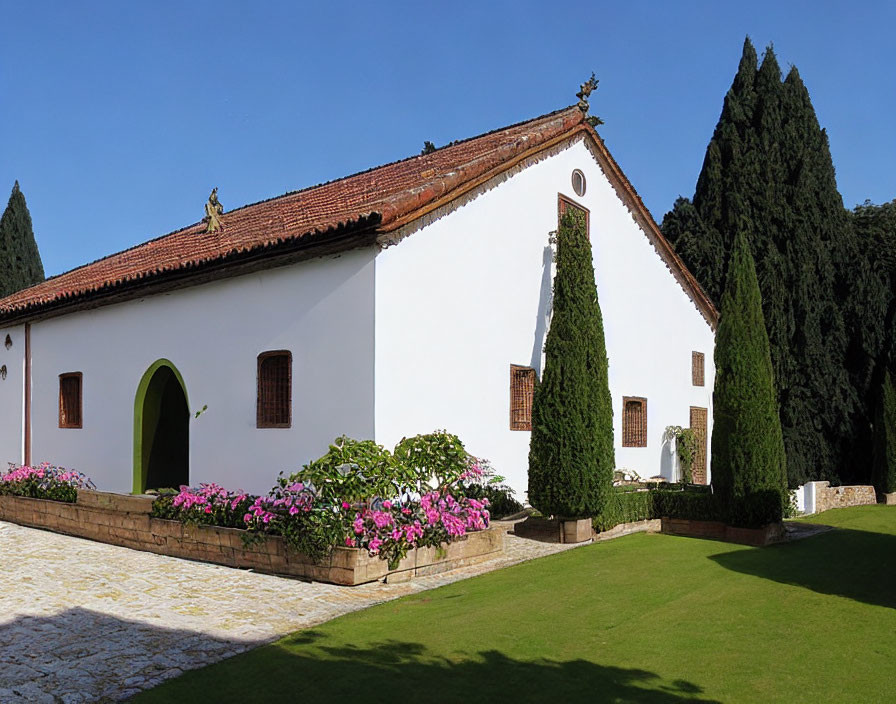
(828, 497)
(124, 520)
(553, 530)
(652, 525)
(772, 533)
(890, 499)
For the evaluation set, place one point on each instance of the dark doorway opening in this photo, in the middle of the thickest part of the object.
(166, 432)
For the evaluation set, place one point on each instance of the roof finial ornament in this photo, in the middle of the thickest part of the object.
(586, 89)
(213, 212)
(584, 93)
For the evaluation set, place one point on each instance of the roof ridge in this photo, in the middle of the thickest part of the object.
(403, 160)
(185, 228)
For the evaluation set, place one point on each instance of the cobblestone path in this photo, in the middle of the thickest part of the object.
(84, 622)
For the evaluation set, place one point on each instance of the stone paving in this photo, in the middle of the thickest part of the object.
(85, 622)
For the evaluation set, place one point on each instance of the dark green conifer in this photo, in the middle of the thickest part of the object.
(768, 175)
(571, 457)
(884, 475)
(20, 264)
(749, 473)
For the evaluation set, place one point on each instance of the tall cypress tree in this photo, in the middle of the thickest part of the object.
(884, 475)
(571, 456)
(20, 264)
(768, 174)
(749, 471)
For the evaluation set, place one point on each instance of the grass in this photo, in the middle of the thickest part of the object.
(646, 618)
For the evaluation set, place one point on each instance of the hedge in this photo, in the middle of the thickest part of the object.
(696, 504)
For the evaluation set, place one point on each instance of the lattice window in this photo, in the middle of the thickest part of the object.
(698, 369)
(522, 388)
(634, 421)
(564, 204)
(274, 408)
(698, 425)
(70, 402)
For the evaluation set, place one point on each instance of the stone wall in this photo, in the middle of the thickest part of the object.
(828, 497)
(714, 530)
(124, 520)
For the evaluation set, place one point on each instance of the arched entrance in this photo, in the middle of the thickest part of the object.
(161, 429)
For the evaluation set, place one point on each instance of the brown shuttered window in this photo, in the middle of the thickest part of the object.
(274, 408)
(522, 387)
(698, 374)
(634, 421)
(70, 400)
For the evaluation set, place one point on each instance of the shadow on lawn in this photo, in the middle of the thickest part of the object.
(305, 667)
(855, 564)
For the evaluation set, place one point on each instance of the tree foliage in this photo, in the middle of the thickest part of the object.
(20, 264)
(749, 473)
(571, 458)
(884, 475)
(768, 175)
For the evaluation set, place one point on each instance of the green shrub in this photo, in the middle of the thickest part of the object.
(480, 482)
(691, 505)
(354, 470)
(624, 507)
(689, 502)
(571, 458)
(436, 459)
(748, 460)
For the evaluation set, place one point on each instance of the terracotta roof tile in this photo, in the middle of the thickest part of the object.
(393, 191)
(385, 197)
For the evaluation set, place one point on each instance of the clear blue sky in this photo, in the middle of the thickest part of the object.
(119, 117)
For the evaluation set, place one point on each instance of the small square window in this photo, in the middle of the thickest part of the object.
(70, 401)
(274, 405)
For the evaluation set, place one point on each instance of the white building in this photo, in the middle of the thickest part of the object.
(396, 301)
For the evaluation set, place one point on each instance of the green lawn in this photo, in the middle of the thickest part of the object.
(646, 618)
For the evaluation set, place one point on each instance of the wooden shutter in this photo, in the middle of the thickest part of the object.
(698, 373)
(698, 425)
(274, 407)
(70, 403)
(522, 389)
(634, 421)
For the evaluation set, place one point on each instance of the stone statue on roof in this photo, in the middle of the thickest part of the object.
(585, 92)
(213, 212)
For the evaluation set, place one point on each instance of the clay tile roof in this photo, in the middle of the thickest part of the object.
(379, 200)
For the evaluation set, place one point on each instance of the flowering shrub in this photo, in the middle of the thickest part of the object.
(358, 495)
(209, 504)
(390, 529)
(44, 482)
(481, 482)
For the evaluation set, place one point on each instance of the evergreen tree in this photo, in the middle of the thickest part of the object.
(20, 264)
(749, 472)
(768, 174)
(870, 281)
(884, 475)
(571, 457)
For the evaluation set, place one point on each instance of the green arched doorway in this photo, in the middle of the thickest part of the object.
(161, 429)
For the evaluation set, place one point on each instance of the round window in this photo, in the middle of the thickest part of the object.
(578, 182)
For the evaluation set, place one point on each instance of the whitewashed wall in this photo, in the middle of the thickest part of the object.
(320, 310)
(465, 297)
(12, 398)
